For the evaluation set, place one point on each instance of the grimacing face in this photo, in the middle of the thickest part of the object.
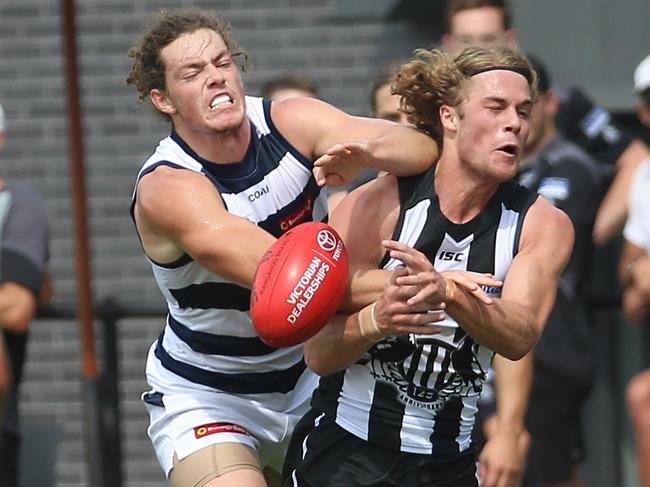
(493, 124)
(203, 87)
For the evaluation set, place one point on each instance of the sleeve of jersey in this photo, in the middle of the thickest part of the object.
(592, 127)
(24, 248)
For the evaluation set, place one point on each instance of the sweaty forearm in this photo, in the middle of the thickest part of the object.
(505, 327)
(336, 346)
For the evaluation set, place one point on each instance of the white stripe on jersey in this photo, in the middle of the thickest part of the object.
(505, 241)
(417, 218)
(290, 177)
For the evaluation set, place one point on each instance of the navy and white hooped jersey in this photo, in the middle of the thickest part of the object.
(209, 340)
(419, 393)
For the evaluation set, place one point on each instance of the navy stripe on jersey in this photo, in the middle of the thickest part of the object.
(180, 262)
(211, 344)
(232, 172)
(298, 211)
(209, 295)
(281, 381)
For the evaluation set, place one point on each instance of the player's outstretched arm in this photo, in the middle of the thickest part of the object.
(178, 211)
(513, 323)
(342, 144)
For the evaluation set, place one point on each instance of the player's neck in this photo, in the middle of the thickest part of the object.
(220, 147)
(462, 194)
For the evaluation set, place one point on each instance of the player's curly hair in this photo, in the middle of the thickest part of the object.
(433, 78)
(148, 70)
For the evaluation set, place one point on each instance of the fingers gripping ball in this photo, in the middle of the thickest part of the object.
(299, 284)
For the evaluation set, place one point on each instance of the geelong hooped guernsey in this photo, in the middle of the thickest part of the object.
(209, 341)
(418, 393)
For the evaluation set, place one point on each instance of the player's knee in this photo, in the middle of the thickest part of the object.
(638, 398)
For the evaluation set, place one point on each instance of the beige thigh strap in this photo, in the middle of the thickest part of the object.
(211, 462)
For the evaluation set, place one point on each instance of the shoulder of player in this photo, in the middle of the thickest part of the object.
(368, 206)
(168, 191)
(544, 226)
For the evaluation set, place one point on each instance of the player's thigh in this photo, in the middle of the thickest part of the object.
(221, 464)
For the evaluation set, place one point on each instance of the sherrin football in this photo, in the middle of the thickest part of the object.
(299, 284)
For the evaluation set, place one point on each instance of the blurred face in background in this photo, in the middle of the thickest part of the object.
(387, 106)
(482, 26)
(285, 93)
(542, 123)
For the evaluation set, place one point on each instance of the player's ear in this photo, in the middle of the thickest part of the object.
(161, 101)
(448, 117)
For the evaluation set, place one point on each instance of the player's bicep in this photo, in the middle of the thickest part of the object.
(545, 248)
(363, 219)
(196, 220)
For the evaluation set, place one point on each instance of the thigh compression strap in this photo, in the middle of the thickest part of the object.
(211, 462)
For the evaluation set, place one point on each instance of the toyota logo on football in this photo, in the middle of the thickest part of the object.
(326, 240)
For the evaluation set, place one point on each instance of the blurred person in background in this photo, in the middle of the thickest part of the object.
(563, 372)
(634, 274)
(288, 85)
(489, 22)
(383, 105)
(235, 173)
(24, 282)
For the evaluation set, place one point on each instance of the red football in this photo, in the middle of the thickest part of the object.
(299, 284)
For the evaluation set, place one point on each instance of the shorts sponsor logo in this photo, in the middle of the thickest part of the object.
(212, 428)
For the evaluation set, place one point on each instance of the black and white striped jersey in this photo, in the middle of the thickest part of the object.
(419, 392)
(209, 341)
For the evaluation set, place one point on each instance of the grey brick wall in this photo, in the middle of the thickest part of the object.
(313, 36)
(343, 54)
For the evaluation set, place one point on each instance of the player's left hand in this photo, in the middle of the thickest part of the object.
(432, 285)
(341, 163)
(503, 458)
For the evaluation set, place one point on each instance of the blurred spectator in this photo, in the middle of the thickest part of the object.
(383, 103)
(578, 119)
(288, 85)
(634, 273)
(2, 127)
(23, 280)
(569, 178)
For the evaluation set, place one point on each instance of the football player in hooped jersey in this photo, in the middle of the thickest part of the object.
(402, 376)
(234, 174)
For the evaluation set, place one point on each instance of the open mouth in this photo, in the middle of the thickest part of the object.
(220, 101)
(510, 149)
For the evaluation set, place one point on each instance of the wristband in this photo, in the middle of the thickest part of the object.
(450, 290)
(368, 324)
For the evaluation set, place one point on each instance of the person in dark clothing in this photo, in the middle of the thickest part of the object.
(569, 178)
